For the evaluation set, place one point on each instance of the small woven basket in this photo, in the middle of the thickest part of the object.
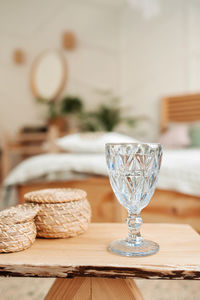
(63, 212)
(17, 228)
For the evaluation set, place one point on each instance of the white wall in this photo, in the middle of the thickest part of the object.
(38, 25)
(156, 56)
(117, 49)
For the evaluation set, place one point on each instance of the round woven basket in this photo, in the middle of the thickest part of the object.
(17, 228)
(63, 212)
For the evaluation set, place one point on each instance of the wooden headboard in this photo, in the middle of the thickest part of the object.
(185, 108)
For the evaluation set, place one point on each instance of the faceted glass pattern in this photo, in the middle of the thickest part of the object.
(133, 172)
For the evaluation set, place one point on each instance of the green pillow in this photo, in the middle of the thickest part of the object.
(194, 133)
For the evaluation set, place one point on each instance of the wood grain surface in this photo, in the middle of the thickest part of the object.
(87, 255)
(94, 288)
(180, 109)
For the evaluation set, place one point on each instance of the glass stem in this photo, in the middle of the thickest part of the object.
(134, 222)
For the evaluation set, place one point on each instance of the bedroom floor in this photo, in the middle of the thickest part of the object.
(36, 289)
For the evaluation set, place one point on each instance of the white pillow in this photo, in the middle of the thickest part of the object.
(91, 142)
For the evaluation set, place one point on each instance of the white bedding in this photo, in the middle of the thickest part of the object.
(180, 169)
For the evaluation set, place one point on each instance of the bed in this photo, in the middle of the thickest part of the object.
(175, 205)
(177, 198)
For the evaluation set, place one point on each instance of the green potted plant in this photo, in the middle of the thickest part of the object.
(71, 105)
(54, 117)
(72, 108)
(107, 117)
(59, 109)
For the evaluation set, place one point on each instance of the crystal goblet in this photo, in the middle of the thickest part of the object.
(133, 172)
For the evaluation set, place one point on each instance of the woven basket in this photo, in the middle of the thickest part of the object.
(63, 212)
(17, 228)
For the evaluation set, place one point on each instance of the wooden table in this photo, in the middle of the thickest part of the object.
(95, 273)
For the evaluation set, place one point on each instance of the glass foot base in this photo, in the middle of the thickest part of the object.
(122, 247)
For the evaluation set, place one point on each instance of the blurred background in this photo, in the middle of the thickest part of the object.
(139, 51)
(98, 65)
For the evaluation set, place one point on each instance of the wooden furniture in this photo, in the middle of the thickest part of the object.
(165, 206)
(25, 145)
(173, 207)
(85, 269)
(182, 109)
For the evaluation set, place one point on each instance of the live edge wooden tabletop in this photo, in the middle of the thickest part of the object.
(87, 255)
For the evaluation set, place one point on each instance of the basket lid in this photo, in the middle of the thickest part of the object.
(55, 195)
(18, 214)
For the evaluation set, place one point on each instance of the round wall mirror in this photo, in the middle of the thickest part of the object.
(48, 75)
